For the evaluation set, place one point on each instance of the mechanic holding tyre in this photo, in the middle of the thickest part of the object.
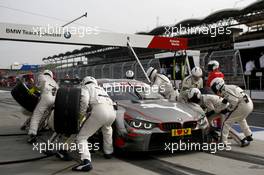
(240, 107)
(163, 84)
(192, 81)
(102, 116)
(48, 88)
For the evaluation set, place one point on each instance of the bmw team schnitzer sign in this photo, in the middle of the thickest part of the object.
(74, 36)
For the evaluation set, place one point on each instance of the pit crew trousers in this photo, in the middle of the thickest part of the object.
(239, 115)
(44, 106)
(102, 116)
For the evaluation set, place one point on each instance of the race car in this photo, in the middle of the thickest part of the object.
(146, 121)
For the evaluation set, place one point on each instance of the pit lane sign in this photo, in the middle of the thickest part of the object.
(58, 35)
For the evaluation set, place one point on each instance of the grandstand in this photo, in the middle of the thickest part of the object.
(245, 24)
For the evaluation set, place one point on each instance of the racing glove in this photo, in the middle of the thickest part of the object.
(225, 111)
(208, 114)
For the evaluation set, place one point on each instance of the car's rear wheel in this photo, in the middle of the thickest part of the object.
(67, 111)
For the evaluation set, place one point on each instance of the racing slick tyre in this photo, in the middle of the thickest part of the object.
(23, 97)
(67, 111)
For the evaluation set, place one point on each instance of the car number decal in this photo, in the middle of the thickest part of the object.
(181, 132)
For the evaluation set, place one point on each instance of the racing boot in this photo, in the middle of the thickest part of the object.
(85, 166)
(32, 138)
(249, 138)
(244, 142)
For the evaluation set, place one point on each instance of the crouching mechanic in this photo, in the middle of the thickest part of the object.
(192, 81)
(48, 88)
(163, 84)
(212, 104)
(215, 107)
(240, 107)
(102, 116)
(194, 98)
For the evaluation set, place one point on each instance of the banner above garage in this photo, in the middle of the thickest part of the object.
(90, 36)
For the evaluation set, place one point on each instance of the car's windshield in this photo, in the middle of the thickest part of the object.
(132, 92)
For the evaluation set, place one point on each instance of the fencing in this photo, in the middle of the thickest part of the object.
(114, 70)
(231, 66)
(230, 63)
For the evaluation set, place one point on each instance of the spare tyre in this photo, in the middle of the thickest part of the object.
(22, 96)
(67, 110)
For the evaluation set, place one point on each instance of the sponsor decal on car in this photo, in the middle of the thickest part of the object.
(181, 132)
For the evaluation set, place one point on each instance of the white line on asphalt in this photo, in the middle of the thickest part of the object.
(3, 91)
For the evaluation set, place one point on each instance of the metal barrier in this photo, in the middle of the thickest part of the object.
(115, 70)
(139, 75)
(154, 63)
(203, 60)
(88, 71)
(128, 66)
(106, 71)
(98, 71)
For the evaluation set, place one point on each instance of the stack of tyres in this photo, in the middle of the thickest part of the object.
(67, 111)
(23, 97)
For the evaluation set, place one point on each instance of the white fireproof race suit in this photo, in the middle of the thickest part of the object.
(48, 88)
(240, 106)
(213, 103)
(102, 116)
(187, 84)
(165, 87)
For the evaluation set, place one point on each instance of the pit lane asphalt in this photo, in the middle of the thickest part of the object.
(15, 147)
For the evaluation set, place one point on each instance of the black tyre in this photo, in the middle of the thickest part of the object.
(21, 94)
(67, 111)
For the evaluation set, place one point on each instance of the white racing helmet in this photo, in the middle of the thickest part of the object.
(194, 95)
(89, 80)
(217, 84)
(213, 65)
(48, 72)
(197, 72)
(151, 73)
(129, 74)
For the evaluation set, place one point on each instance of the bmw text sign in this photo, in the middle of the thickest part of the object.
(59, 35)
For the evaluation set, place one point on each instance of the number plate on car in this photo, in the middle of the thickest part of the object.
(181, 132)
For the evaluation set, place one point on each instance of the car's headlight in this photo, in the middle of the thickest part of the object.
(140, 124)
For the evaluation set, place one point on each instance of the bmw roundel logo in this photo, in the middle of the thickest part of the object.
(67, 35)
